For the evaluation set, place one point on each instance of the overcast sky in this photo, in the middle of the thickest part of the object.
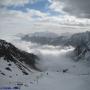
(18, 16)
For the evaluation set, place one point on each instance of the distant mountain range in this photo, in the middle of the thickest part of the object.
(44, 34)
(26, 62)
(80, 41)
(45, 38)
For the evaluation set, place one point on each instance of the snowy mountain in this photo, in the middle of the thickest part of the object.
(46, 38)
(44, 34)
(61, 40)
(81, 42)
(40, 37)
(39, 40)
(59, 70)
(23, 60)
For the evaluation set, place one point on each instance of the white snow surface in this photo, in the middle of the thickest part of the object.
(53, 60)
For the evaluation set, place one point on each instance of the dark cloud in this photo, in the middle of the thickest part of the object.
(79, 8)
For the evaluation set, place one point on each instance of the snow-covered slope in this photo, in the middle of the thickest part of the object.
(59, 70)
(23, 60)
(16, 65)
(81, 42)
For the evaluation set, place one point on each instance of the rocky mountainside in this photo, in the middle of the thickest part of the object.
(81, 42)
(23, 60)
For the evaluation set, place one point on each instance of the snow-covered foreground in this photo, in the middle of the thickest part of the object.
(60, 81)
(59, 72)
(54, 61)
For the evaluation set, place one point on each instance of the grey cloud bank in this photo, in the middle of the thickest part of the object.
(79, 8)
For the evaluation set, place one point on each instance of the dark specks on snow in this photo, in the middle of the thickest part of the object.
(7, 68)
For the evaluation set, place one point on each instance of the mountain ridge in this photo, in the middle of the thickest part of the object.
(23, 60)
